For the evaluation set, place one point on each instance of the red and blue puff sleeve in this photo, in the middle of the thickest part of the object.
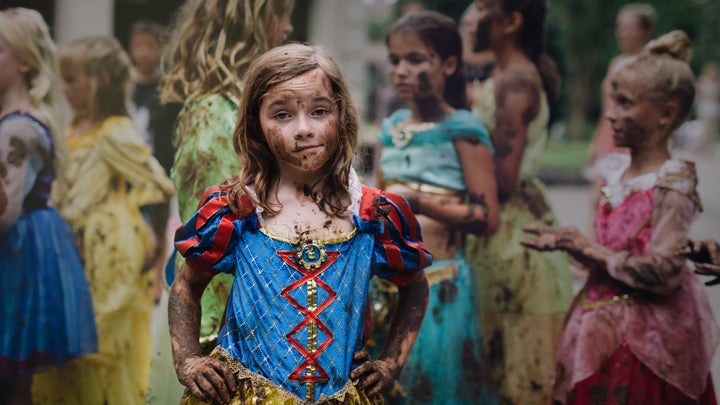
(398, 250)
(209, 239)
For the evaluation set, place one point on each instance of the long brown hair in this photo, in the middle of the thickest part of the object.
(532, 40)
(260, 167)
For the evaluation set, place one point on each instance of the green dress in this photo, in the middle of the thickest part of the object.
(204, 156)
(523, 294)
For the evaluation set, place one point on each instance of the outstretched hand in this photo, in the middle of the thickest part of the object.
(571, 240)
(373, 377)
(704, 251)
(552, 238)
(709, 270)
(706, 255)
(208, 379)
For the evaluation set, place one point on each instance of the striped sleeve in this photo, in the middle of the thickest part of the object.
(209, 238)
(399, 249)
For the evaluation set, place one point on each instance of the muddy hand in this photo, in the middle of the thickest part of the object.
(706, 251)
(373, 377)
(208, 379)
(709, 270)
(547, 238)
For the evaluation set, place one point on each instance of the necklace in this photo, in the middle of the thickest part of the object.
(402, 134)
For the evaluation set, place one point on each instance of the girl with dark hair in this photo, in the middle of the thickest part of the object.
(439, 156)
(523, 295)
(641, 330)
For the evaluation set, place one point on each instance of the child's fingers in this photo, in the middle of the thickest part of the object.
(224, 371)
(543, 242)
(372, 384)
(369, 383)
(535, 230)
(530, 243)
(361, 356)
(221, 378)
(196, 391)
(360, 371)
(707, 269)
(213, 386)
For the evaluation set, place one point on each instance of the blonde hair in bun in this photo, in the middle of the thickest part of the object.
(663, 71)
(675, 44)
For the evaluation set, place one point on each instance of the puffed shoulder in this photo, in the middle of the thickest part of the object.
(211, 232)
(25, 131)
(397, 234)
(679, 176)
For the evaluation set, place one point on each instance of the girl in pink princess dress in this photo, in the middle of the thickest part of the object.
(641, 330)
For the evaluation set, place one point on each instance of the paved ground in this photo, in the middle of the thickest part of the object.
(572, 204)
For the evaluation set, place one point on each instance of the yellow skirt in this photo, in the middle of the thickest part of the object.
(254, 389)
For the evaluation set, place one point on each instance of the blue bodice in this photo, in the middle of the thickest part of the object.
(425, 153)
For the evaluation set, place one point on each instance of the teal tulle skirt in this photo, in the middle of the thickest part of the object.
(447, 362)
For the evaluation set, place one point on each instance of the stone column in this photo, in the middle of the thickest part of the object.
(78, 18)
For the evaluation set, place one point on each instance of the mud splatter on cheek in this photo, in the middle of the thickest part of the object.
(637, 134)
(424, 83)
(277, 146)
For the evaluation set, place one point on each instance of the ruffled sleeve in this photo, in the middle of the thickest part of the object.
(398, 250)
(208, 240)
(22, 152)
(123, 150)
(676, 204)
(463, 125)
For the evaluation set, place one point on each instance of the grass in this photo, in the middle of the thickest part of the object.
(570, 156)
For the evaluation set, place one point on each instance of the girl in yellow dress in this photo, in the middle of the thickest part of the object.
(111, 174)
(523, 295)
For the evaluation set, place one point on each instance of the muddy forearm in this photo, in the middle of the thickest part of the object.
(184, 319)
(412, 304)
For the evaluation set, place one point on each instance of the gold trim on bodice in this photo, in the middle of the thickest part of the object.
(341, 237)
(426, 188)
(615, 299)
(402, 133)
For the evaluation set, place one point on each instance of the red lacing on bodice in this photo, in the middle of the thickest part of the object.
(311, 358)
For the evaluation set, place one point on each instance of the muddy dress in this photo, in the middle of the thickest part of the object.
(447, 363)
(522, 294)
(297, 310)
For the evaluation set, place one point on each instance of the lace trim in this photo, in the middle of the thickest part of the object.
(673, 174)
(257, 381)
(354, 186)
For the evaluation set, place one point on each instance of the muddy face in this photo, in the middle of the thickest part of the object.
(633, 116)
(299, 119)
(417, 73)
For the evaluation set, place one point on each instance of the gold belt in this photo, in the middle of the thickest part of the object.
(426, 188)
(615, 299)
(434, 276)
